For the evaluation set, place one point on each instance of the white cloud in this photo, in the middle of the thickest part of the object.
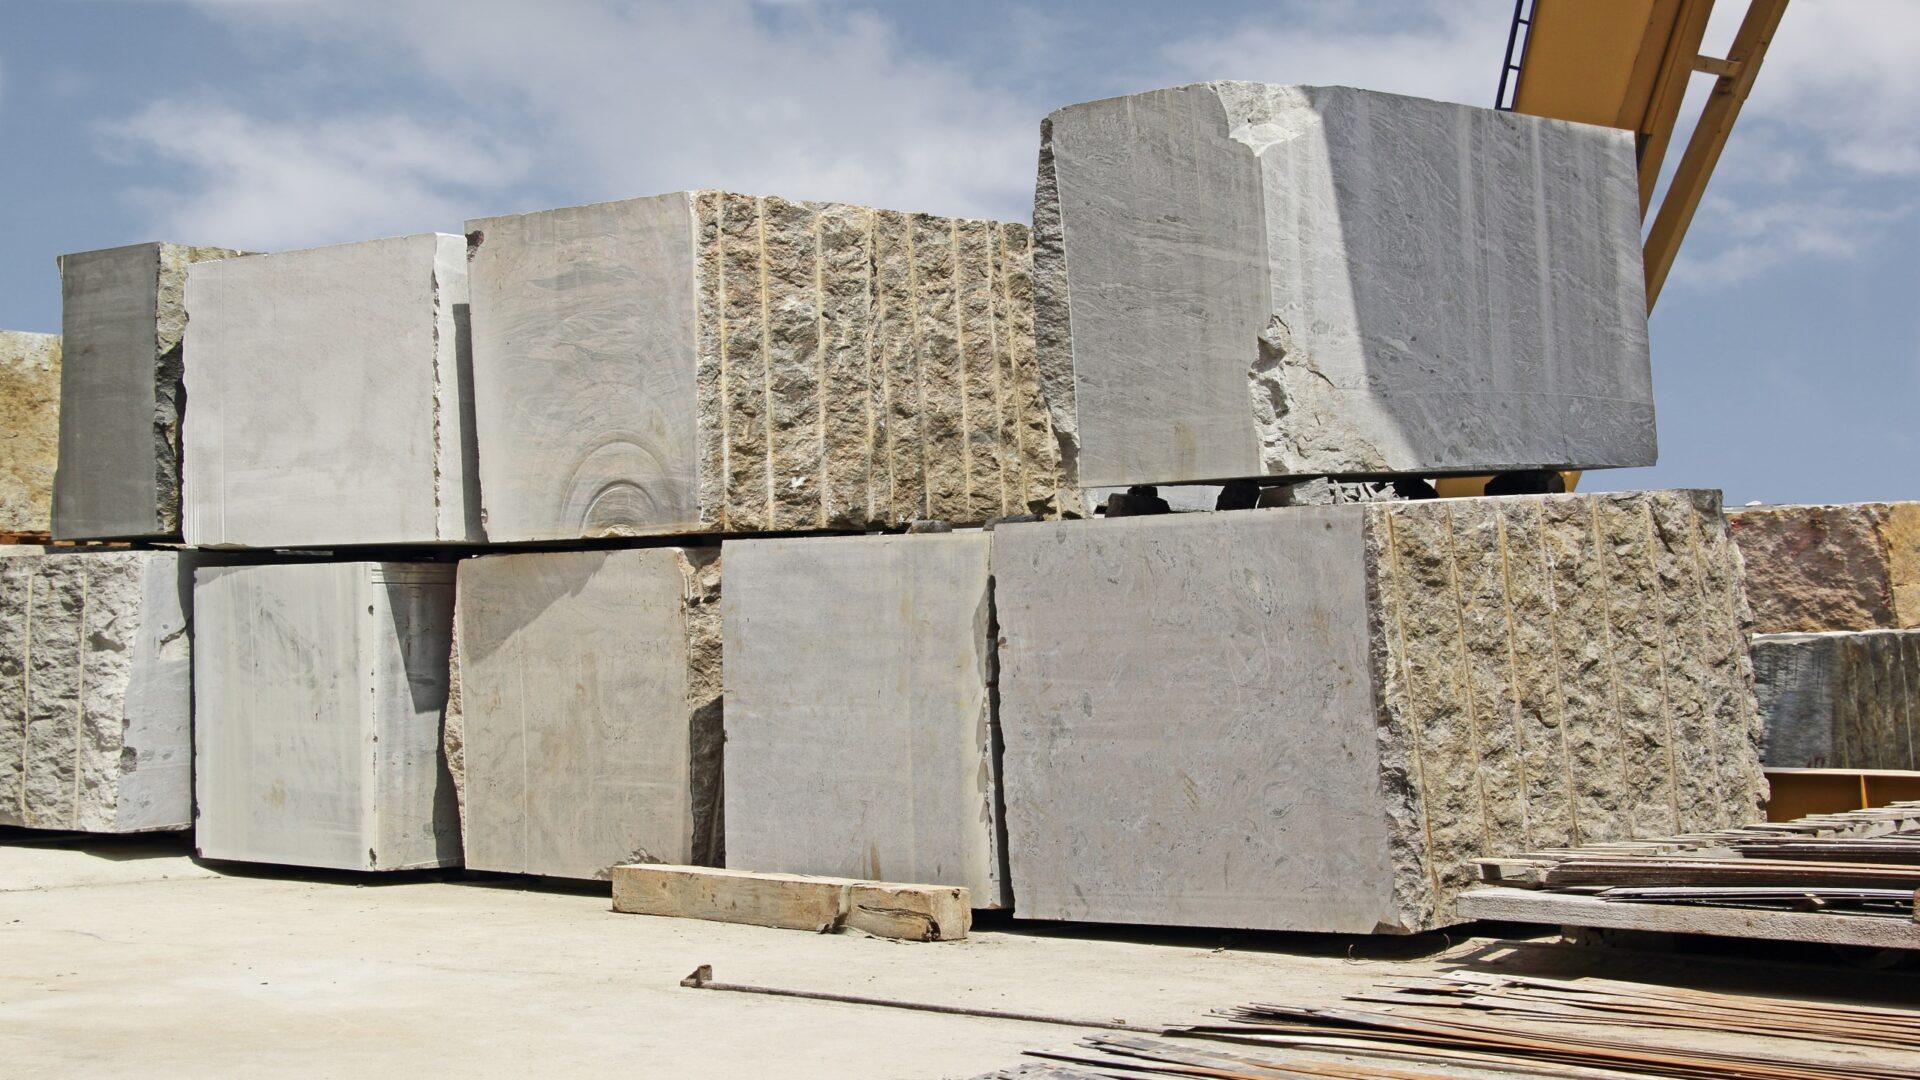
(1749, 239)
(1450, 50)
(269, 184)
(1843, 74)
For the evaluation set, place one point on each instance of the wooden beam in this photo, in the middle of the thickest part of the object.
(1708, 140)
(1565, 909)
(794, 901)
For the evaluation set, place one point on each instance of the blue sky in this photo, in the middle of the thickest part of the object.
(1786, 347)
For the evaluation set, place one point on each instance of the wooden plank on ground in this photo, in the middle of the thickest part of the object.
(1562, 909)
(794, 901)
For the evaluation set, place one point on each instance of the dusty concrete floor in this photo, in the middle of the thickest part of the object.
(124, 958)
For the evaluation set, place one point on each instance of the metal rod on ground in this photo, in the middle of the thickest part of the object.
(702, 979)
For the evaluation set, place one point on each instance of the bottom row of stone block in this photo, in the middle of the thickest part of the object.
(1304, 718)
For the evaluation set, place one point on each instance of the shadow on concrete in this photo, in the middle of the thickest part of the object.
(113, 847)
(1351, 946)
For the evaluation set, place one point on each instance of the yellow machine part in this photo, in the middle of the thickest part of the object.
(1799, 792)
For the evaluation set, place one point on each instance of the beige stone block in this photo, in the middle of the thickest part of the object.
(1820, 568)
(714, 362)
(29, 430)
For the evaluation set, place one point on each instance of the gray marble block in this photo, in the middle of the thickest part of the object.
(589, 710)
(331, 403)
(1317, 718)
(1239, 280)
(120, 391)
(318, 692)
(859, 710)
(1840, 700)
(95, 690)
(705, 361)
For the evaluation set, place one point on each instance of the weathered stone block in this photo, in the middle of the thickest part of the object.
(589, 685)
(1840, 700)
(29, 431)
(120, 391)
(95, 690)
(1237, 280)
(318, 694)
(331, 401)
(705, 361)
(859, 710)
(1317, 718)
(1854, 566)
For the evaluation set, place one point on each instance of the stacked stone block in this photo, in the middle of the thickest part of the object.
(319, 693)
(860, 728)
(588, 730)
(1836, 599)
(1239, 280)
(95, 690)
(121, 391)
(330, 398)
(1317, 718)
(29, 431)
(713, 362)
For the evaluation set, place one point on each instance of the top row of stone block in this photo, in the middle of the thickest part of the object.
(1223, 281)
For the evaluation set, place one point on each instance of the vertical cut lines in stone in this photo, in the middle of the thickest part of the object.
(1465, 678)
(820, 385)
(1559, 688)
(1659, 596)
(766, 358)
(1412, 722)
(26, 695)
(916, 352)
(1723, 759)
(79, 701)
(1513, 680)
(1004, 432)
(1604, 580)
(964, 374)
(867, 333)
(720, 344)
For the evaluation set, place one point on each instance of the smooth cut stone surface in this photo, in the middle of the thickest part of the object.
(29, 431)
(711, 362)
(318, 695)
(122, 321)
(1851, 566)
(95, 690)
(1840, 700)
(1240, 280)
(331, 400)
(589, 686)
(1317, 718)
(860, 737)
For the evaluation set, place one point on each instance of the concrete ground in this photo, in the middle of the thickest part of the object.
(125, 958)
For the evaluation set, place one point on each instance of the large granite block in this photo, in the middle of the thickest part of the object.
(331, 401)
(1317, 718)
(318, 695)
(120, 391)
(705, 361)
(1854, 566)
(589, 688)
(1843, 700)
(860, 735)
(95, 690)
(1241, 280)
(29, 431)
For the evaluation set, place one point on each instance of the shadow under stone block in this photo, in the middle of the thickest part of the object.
(319, 690)
(1318, 718)
(860, 735)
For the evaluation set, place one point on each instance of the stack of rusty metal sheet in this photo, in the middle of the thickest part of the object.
(1845, 879)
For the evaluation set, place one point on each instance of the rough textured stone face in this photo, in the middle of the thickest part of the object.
(95, 691)
(860, 733)
(1840, 700)
(318, 695)
(589, 686)
(1315, 718)
(330, 395)
(1236, 280)
(1854, 566)
(29, 430)
(705, 361)
(122, 322)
